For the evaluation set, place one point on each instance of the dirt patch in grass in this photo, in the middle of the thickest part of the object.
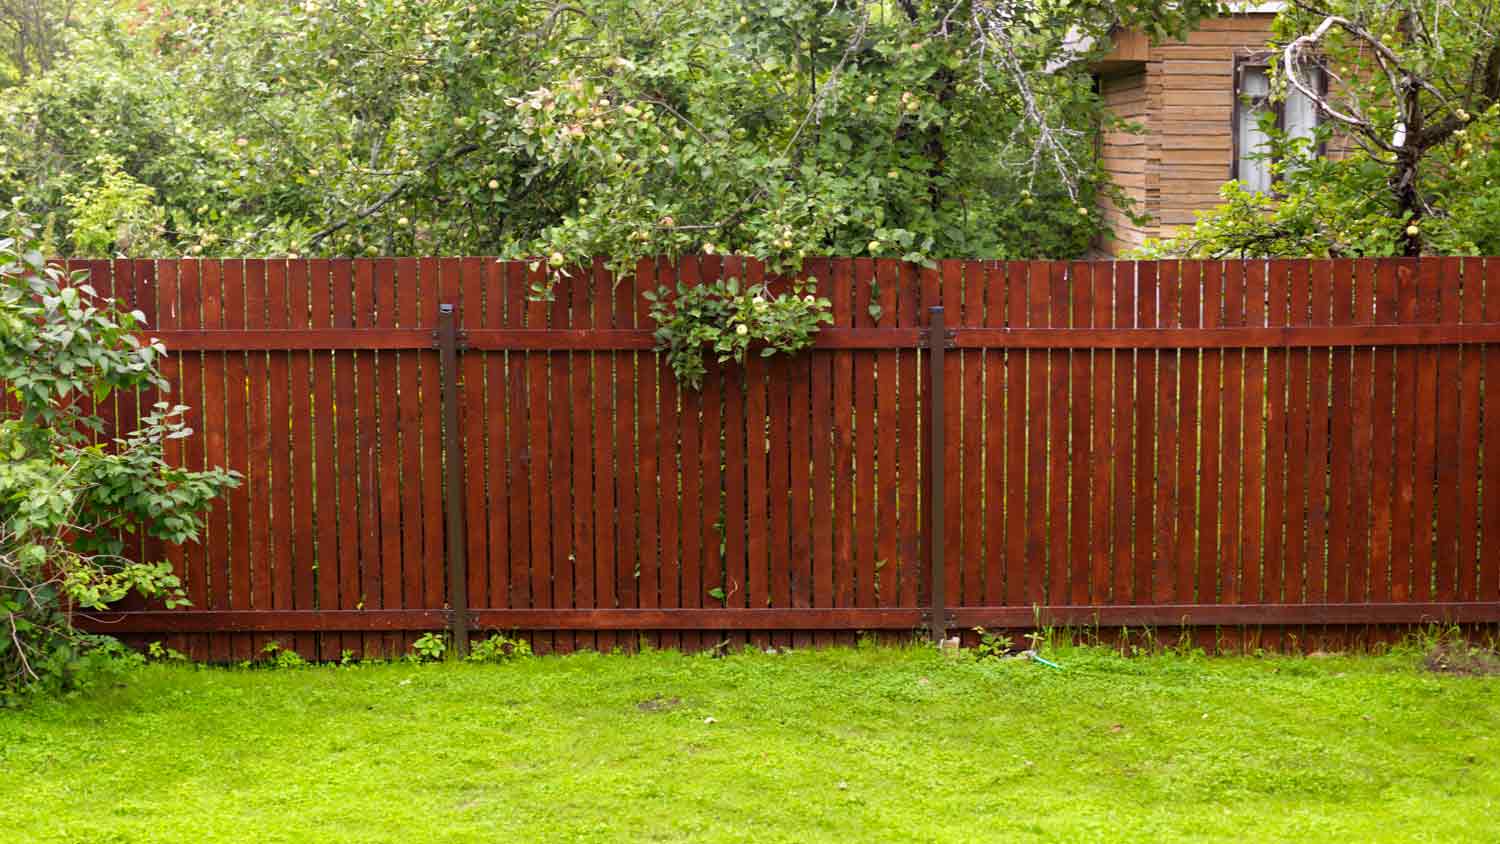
(1462, 659)
(659, 704)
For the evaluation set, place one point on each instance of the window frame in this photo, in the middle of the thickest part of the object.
(1262, 59)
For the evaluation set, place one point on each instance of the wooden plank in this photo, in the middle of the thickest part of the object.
(692, 481)
(1382, 438)
(607, 459)
(1039, 309)
(1319, 375)
(303, 455)
(537, 451)
(1294, 567)
(669, 583)
(137, 284)
(1057, 440)
(865, 514)
(1340, 531)
(1470, 523)
(1101, 441)
(929, 293)
(841, 338)
(1407, 415)
(842, 297)
(1448, 388)
(1361, 430)
(1231, 571)
(885, 419)
(326, 474)
(1183, 556)
(757, 549)
(870, 618)
(486, 538)
(1163, 580)
(1274, 545)
(1210, 576)
(518, 444)
(993, 422)
(168, 314)
(800, 518)
(411, 277)
(388, 468)
(348, 403)
(822, 497)
(968, 565)
(1146, 553)
(1080, 505)
(262, 510)
(442, 282)
(1426, 409)
(1489, 549)
(585, 418)
(191, 393)
(912, 548)
(1122, 450)
(278, 429)
(560, 441)
(1252, 500)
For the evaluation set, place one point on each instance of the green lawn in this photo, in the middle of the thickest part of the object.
(863, 745)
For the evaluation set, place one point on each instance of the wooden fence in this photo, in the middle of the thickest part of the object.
(1273, 452)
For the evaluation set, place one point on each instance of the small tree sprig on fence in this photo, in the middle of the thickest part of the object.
(724, 319)
(69, 498)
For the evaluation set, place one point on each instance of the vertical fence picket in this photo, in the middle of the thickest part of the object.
(1489, 546)
(326, 469)
(303, 453)
(1382, 439)
(1448, 386)
(1146, 284)
(1080, 561)
(1468, 439)
(886, 414)
(1362, 431)
(1163, 579)
(1427, 410)
(1189, 414)
(909, 540)
(691, 494)
(606, 457)
(440, 282)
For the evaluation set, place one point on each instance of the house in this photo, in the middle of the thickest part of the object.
(1198, 103)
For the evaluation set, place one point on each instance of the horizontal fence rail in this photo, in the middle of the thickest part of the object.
(1281, 452)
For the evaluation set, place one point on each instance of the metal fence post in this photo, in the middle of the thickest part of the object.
(936, 340)
(453, 476)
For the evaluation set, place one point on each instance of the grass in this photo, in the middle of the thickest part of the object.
(872, 744)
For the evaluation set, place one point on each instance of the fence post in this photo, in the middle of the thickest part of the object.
(936, 341)
(453, 498)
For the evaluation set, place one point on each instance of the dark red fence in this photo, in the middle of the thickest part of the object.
(1260, 451)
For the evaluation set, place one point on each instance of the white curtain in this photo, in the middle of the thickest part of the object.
(1255, 87)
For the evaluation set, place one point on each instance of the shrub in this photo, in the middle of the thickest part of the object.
(69, 497)
(723, 319)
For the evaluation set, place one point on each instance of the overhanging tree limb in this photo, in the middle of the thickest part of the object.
(389, 195)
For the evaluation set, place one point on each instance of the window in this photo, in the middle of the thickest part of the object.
(1296, 115)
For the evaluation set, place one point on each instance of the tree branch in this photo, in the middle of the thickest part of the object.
(388, 196)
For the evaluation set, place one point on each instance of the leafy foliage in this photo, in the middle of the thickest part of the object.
(618, 128)
(499, 648)
(724, 319)
(68, 501)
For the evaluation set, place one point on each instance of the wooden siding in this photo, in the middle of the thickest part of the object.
(1126, 157)
(1183, 97)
